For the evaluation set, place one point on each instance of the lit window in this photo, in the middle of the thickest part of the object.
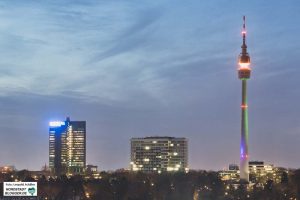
(171, 169)
(135, 169)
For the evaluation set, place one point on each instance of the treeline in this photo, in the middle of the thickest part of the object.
(194, 185)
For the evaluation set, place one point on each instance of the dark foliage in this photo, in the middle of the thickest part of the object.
(194, 185)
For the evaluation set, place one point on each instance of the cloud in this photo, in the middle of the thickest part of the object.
(136, 69)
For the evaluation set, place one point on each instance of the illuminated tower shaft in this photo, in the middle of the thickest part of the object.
(244, 74)
(244, 160)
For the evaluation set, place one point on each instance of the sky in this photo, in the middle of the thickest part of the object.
(149, 68)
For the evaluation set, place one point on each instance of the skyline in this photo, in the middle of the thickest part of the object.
(114, 66)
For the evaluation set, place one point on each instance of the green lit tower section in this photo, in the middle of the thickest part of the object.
(244, 72)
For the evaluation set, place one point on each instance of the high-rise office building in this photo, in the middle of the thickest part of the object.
(159, 154)
(67, 147)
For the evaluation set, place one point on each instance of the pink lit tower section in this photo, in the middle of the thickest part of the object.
(244, 72)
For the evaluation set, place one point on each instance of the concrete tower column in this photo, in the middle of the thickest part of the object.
(244, 72)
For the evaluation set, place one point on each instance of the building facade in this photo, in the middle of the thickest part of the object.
(261, 172)
(92, 172)
(159, 154)
(7, 169)
(67, 147)
(231, 174)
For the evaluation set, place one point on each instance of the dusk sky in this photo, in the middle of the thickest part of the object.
(149, 68)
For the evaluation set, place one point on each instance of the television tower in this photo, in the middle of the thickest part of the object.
(244, 72)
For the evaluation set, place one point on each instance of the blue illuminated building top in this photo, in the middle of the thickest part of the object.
(56, 123)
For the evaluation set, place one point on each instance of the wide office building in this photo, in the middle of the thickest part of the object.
(159, 154)
(67, 147)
